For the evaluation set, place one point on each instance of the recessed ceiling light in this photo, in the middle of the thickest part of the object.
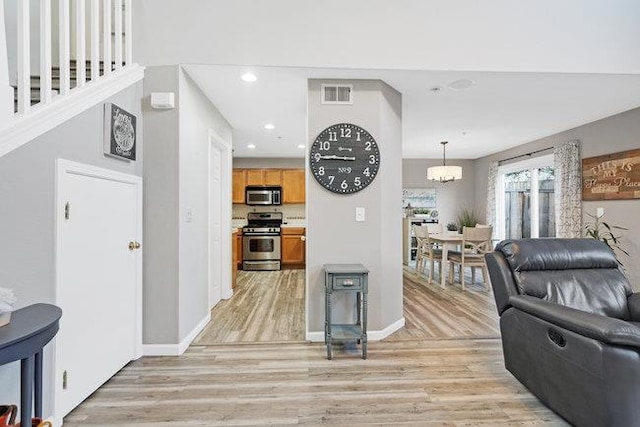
(269, 126)
(251, 146)
(461, 84)
(249, 77)
(302, 146)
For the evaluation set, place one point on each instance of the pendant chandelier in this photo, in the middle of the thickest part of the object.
(444, 173)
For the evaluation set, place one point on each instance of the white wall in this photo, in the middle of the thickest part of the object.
(451, 197)
(500, 35)
(196, 117)
(610, 135)
(27, 226)
(333, 234)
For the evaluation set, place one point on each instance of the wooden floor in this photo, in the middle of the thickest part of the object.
(444, 368)
(267, 306)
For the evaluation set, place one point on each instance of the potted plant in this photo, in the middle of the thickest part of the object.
(421, 212)
(466, 218)
(451, 226)
(600, 230)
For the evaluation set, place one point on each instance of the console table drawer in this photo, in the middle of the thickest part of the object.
(348, 282)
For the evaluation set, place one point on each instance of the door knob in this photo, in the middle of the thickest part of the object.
(134, 245)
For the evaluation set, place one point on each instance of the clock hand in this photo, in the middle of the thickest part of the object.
(345, 149)
(334, 157)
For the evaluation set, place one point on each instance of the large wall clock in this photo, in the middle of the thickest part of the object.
(344, 158)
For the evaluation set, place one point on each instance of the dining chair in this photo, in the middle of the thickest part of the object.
(476, 241)
(426, 251)
(434, 228)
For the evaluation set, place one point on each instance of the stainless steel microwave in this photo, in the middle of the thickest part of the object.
(262, 195)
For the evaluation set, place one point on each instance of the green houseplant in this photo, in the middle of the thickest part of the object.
(466, 218)
(600, 230)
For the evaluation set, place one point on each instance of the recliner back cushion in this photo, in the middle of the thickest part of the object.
(578, 273)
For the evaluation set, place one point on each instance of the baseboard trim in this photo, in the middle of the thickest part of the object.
(371, 335)
(44, 117)
(176, 349)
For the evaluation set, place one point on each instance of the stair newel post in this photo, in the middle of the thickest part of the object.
(81, 51)
(45, 51)
(128, 32)
(117, 42)
(65, 47)
(106, 36)
(95, 40)
(24, 57)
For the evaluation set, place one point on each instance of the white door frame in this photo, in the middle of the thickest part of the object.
(64, 167)
(215, 140)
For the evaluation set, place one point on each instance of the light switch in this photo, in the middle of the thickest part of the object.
(359, 214)
(599, 212)
(188, 214)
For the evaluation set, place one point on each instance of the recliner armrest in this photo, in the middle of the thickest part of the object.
(634, 306)
(606, 329)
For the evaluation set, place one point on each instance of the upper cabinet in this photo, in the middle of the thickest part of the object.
(291, 181)
(293, 187)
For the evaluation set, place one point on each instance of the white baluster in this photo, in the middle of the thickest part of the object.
(95, 40)
(45, 51)
(118, 34)
(128, 31)
(106, 36)
(6, 91)
(24, 58)
(65, 47)
(81, 50)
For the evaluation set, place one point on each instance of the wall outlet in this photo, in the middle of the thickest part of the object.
(188, 214)
(359, 214)
(599, 212)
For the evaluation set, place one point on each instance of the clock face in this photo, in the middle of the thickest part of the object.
(344, 158)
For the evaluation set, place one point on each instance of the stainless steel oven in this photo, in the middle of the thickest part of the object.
(261, 241)
(262, 195)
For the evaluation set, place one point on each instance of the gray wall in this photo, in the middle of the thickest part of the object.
(27, 229)
(609, 135)
(451, 197)
(333, 234)
(176, 177)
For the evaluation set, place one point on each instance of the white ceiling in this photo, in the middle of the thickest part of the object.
(501, 110)
(540, 66)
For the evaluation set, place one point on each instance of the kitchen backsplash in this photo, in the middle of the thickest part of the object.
(293, 213)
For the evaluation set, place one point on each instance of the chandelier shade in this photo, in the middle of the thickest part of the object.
(444, 173)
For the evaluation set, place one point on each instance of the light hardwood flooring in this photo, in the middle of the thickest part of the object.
(444, 368)
(432, 382)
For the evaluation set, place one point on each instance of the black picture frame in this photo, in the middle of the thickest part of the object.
(120, 133)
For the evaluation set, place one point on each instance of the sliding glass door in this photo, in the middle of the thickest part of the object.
(525, 199)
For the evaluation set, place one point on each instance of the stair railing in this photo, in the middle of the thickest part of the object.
(102, 26)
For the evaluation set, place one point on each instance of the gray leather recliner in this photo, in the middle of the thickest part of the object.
(569, 325)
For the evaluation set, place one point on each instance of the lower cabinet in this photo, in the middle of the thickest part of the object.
(238, 249)
(293, 247)
(234, 259)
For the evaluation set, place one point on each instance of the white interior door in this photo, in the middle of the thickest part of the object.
(215, 228)
(97, 279)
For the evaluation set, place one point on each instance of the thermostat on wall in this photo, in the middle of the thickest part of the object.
(162, 100)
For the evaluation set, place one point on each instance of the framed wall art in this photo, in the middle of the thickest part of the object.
(120, 133)
(612, 176)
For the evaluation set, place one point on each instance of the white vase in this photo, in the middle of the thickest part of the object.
(5, 317)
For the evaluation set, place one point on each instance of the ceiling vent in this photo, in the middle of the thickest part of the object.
(337, 94)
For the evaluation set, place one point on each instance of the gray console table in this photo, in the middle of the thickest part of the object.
(351, 278)
(30, 329)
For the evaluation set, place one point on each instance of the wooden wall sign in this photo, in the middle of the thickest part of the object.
(612, 176)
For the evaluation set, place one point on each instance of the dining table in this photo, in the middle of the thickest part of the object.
(445, 240)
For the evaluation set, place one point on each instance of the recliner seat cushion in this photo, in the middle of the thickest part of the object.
(580, 273)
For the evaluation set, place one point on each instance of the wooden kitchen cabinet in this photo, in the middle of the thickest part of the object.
(239, 182)
(293, 247)
(234, 260)
(291, 180)
(293, 187)
(238, 249)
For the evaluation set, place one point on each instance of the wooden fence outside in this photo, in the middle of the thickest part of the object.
(517, 209)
